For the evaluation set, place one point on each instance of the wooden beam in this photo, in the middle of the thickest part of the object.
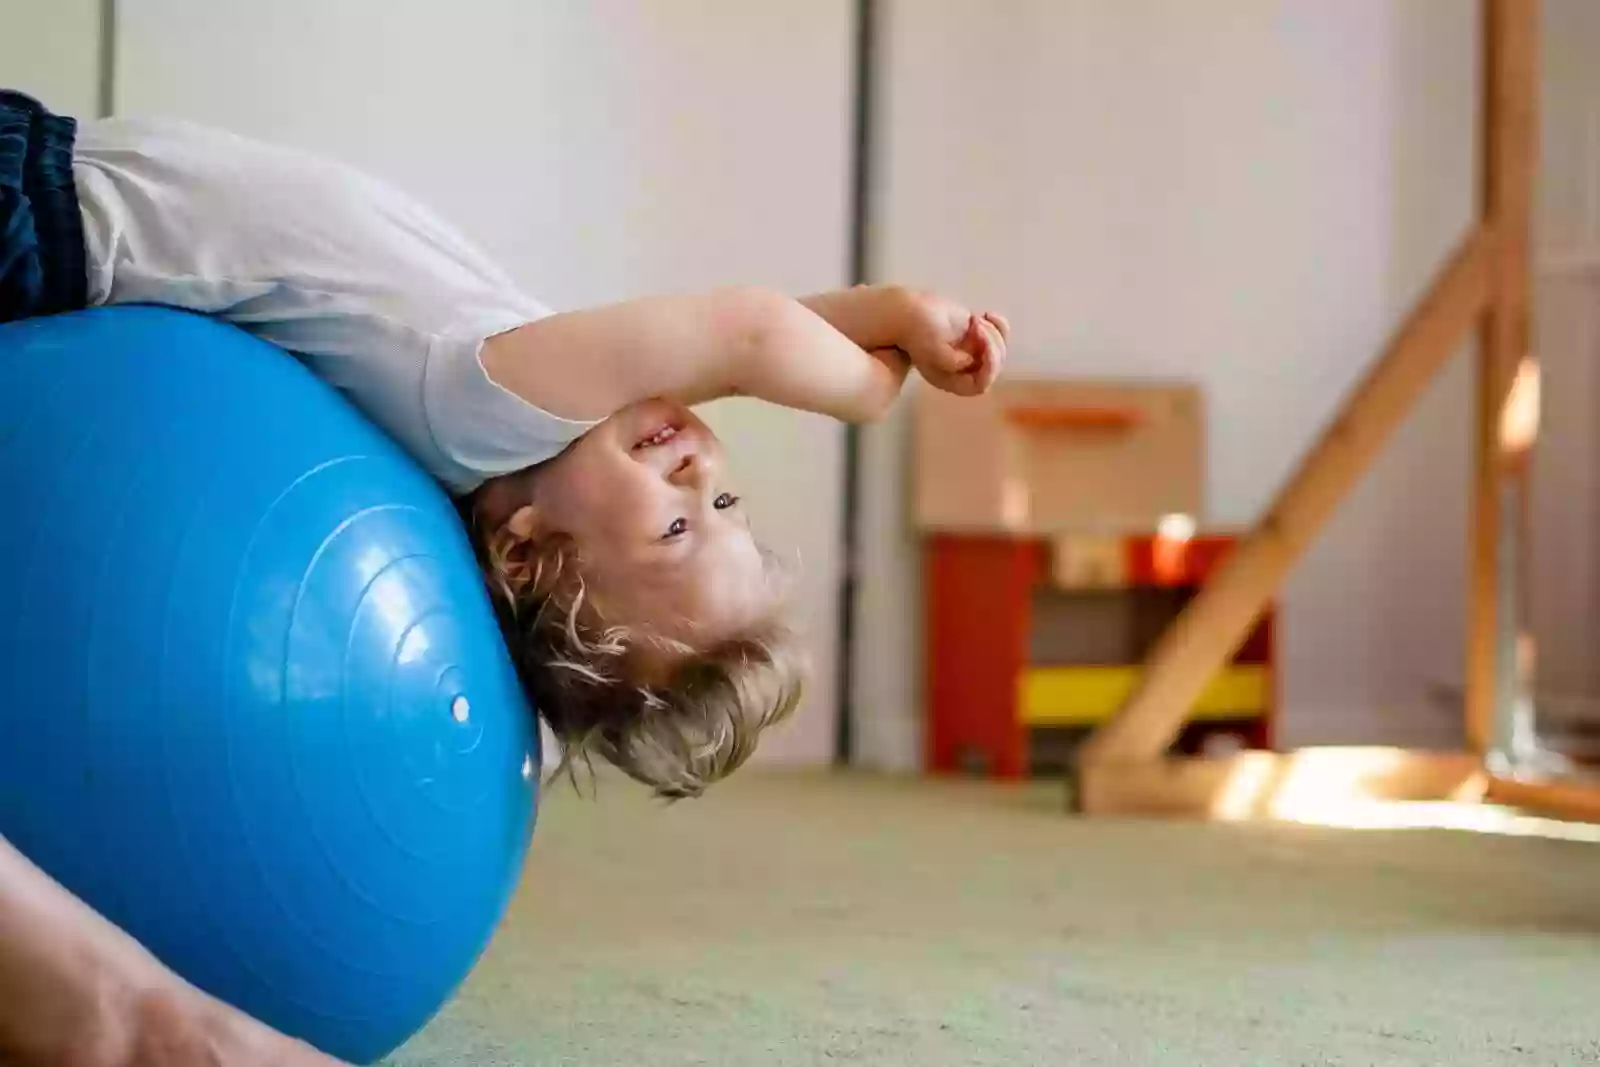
(1577, 801)
(1308, 784)
(1209, 630)
(1510, 153)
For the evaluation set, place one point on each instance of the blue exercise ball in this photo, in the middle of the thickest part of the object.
(257, 709)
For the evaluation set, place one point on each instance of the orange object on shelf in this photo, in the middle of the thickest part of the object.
(1040, 417)
(1157, 560)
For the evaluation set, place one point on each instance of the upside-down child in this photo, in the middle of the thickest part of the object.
(645, 621)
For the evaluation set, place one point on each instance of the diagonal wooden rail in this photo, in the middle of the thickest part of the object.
(1484, 283)
(1217, 620)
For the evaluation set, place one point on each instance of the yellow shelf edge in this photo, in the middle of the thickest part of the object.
(1086, 696)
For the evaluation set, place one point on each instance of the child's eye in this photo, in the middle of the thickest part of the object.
(725, 501)
(676, 529)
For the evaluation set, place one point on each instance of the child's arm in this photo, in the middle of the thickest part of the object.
(834, 353)
(954, 349)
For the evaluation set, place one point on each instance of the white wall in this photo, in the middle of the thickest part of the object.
(1250, 194)
(600, 150)
(50, 48)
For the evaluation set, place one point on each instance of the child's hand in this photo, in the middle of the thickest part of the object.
(955, 349)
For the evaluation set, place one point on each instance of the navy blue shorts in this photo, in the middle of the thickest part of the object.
(42, 263)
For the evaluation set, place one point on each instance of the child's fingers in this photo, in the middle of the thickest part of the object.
(962, 385)
(1001, 323)
(989, 370)
(962, 382)
(993, 356)
(972, 340)
(970, 366)
(979, 338)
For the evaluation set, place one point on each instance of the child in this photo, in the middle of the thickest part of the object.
(646, 623)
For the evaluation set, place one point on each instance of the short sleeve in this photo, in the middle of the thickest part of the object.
(481, 428)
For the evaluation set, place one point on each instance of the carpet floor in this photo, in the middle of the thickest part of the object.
(792, 919)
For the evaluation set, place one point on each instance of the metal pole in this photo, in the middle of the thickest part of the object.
(866, 15)
(107, 66)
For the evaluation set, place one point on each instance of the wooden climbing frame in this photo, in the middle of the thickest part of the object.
(1484, 285)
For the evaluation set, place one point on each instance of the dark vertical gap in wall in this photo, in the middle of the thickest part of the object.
(107, 66)
(844, 747)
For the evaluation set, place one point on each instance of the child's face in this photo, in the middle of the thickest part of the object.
(663, 538)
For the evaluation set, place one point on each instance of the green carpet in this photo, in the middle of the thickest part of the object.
(855, 920)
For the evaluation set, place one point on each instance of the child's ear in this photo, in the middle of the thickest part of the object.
(524, 522)
(511, 546)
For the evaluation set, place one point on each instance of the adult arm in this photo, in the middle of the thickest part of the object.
(76, 989)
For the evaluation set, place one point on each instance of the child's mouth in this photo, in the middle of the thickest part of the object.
(660, 437)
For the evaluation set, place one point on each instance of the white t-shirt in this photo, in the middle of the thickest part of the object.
(368, 288)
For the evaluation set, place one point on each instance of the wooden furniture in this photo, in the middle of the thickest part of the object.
(1049, 457)
(1058, 534)
(1032, 643)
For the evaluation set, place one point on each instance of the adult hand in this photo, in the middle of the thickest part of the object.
(76, 989)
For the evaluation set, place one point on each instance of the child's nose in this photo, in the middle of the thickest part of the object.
(691, 472)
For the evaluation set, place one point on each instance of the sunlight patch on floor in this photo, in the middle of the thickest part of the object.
(1432, 815)
(1377, 789)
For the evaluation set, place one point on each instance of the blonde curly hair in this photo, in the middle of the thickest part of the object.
(600, 686)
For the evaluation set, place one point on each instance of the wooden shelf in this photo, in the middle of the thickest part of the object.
(1022, 665)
